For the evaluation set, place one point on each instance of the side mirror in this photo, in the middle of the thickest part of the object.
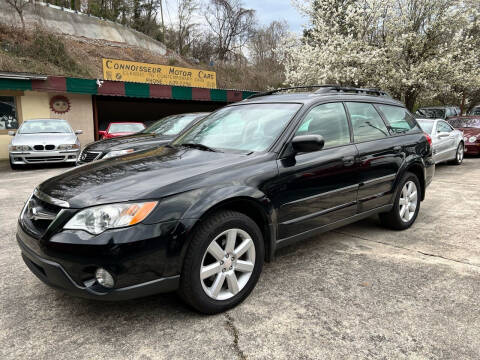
(78, 132)
(443, 134)
(308, 143)
(11, 133)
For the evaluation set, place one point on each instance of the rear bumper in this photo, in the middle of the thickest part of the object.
(40, 157)
(429, 170)
(54, 275)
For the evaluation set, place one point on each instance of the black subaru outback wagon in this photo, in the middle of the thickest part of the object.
(202, 214)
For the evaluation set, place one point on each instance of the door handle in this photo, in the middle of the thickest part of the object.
(348, 160)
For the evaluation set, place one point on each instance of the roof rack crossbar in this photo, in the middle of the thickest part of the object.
(327, 89)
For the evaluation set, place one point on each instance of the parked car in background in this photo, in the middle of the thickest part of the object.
(116, 129)
(447, 142)
(470, 125)
(437, 112)
(43, 141)
(159, 133)
(203, 213)
(475, 111)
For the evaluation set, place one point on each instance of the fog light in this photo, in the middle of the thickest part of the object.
(104, 278)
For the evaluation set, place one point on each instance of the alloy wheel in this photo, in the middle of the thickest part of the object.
(408, 201)
(460, 153)
(227, 264)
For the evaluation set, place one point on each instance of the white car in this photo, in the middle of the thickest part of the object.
(43, 141)
(447, 142)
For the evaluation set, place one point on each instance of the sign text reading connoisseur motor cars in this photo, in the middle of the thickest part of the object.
(123, 70)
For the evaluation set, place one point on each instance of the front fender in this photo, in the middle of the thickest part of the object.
(189, 207)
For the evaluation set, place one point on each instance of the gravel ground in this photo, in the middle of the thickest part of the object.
(357, 292)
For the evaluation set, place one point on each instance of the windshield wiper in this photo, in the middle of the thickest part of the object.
(199, 146)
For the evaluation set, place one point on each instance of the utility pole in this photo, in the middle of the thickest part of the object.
(163, 24)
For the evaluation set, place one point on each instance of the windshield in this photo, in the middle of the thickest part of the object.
(431, 113)
(426, 125)
(171, 125)
(246, 128)
(464, 123)
(125, 127)
(45, 126)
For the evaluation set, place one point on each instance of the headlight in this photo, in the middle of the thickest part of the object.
(19, 148)
(117, 153)
(68, 147)
(472, 139)
(97, 219)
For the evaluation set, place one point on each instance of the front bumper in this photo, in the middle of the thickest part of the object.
(472, 149)
(41, 157)
(54, 275)
(144, 260)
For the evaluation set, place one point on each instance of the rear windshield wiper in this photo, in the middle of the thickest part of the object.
(199, 146)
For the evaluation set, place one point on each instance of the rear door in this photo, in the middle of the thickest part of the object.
(318, 188)
(379, 158)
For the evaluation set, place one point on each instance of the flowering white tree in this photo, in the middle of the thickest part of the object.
(411, 48)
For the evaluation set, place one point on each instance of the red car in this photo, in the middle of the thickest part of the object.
(116, 129)
(470, 125)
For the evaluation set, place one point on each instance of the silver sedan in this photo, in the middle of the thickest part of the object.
(447, 142)
(43, 141)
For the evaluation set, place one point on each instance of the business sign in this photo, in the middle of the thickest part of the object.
(131, 71)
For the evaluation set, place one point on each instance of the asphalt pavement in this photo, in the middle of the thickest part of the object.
(359, 292)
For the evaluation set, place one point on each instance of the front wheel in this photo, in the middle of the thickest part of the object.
(406, 205)
(223, 262)
(459, 155)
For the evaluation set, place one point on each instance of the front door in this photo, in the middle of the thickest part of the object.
(318, 188)
(444, 142)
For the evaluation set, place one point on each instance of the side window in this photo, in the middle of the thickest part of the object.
(328, 120)
(443, 127)
(367, 123)
(399, 119)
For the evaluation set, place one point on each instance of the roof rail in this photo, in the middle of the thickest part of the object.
(328, 89)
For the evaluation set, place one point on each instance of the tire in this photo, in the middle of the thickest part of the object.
(202, 294)
(394, 219)
(459, 155)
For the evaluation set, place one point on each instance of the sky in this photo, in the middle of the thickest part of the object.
(270, 10)
(266, 12)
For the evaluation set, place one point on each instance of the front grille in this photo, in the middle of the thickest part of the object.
(44, 159)
(88, 156)
(38, 215)
(43, 147)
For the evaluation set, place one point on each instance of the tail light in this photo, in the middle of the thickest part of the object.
(429, 139)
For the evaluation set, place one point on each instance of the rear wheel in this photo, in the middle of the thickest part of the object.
(406, 206)
(459, 155)
(223, 262)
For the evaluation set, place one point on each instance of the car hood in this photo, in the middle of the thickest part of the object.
(149, 174)
(44, 139)
(127, 142)
(470, 131)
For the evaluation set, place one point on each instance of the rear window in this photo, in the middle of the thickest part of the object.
(400, 120)
(431, 113)
(426, 125)
(116, 128)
